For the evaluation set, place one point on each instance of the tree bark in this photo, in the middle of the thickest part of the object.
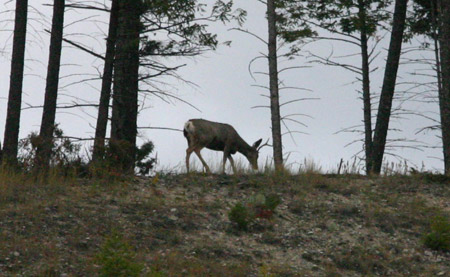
(366, 88)
(273, 83)
(387, 91)
(12, 125)
(51, 90)
(444, 97)
(126, 75)
(105, 94)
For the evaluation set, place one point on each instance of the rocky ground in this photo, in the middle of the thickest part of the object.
(178, 225)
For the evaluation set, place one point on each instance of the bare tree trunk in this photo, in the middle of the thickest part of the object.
(105, 94)
(444, 97)
(436, 45)
(387, 91)
(51, 90)
(126, 75)
(12, 126)
(366, 88)
(274, 92)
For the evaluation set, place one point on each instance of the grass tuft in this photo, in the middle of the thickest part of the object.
(240, 215)
(117, 258)
(439, 236)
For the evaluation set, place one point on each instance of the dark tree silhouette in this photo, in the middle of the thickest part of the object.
(126, 79)
(444, 97)
(388, 88)
(365, 63)
(273, 84)
(12, 126)
(105, 93)
(44, 149)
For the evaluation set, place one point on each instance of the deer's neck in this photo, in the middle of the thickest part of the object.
(243, 147)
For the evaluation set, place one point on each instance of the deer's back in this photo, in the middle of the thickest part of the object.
(212, 135)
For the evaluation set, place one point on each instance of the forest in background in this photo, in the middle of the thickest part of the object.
(144, 36)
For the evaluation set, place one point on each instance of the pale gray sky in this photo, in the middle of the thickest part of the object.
(225, 92)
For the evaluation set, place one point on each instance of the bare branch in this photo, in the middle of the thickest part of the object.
(161, 128)
(249, 33)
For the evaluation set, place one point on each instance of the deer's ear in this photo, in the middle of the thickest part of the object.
(257, 143)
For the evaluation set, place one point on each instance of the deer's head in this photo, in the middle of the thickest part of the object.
(252, 155)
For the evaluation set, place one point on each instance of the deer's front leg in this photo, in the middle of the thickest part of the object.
(232, 163)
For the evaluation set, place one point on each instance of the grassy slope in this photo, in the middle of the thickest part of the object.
(178, 224)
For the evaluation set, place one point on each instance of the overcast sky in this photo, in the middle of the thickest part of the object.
(225, 92)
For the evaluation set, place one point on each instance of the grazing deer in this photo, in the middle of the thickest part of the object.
(202, 133)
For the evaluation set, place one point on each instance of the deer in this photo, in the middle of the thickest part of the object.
(201, 133)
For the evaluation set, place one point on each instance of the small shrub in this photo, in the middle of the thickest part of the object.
(117, 258)
(143, 161)
(439, 237)
(65, 155)
(240, 215)
(258, 206)
(118, 153)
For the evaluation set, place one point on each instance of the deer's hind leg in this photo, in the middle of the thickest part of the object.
(197, 151)
(188, 156)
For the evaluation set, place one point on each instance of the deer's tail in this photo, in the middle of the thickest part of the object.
(188, 128)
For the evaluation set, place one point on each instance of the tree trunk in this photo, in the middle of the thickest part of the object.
(444, 97)
(387, 91)
(12, 126)
(126, 74)
(51, 89)
(274, 92)
(105, 94)
(366, 88)
(436, 45)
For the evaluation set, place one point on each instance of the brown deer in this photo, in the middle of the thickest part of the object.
(202, 133)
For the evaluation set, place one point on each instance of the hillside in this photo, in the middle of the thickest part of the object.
(171, 225)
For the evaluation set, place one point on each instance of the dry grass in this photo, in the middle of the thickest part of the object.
(174, 225)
